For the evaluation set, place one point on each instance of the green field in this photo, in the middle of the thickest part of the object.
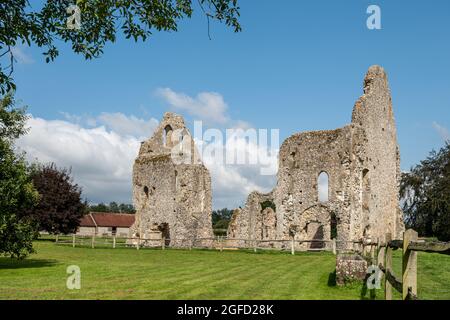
(108, 273)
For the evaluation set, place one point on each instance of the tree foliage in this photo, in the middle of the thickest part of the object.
(112, 207)
(22, 22)
(17, 193)
(425, 193)
(60, 208)
(220, 220)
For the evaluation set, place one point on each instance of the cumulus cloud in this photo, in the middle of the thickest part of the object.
(207, 106)
(128, 125)
(101, 159)
(117, 122)
(442, 131)
(101, 151)
(238, 166)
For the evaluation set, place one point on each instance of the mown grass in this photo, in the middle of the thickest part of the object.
(122, 273)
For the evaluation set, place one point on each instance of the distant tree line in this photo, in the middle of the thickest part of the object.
(112, 207)
(220, 221)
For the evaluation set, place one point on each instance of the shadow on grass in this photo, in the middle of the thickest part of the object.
(8, 263)
(332, 279)
(365, 293)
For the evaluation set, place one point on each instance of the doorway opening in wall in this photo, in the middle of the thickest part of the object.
(315, 232)
(365, 188)
(323, 187)
(165, 232)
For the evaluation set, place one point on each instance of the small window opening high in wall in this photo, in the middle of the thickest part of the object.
(323, 188)
(167, 136)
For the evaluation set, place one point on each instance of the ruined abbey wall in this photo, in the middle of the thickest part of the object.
(361, 161)
(171, 186)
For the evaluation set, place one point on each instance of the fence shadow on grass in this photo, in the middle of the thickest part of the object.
(8, 263)
(366, 293)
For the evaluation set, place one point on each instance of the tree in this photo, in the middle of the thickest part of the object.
(112, 207)
(425, 193)
(220, 220)
(16, 187)
(20, 22)
(60, 208)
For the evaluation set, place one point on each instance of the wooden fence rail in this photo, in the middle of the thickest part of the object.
(410, 245)
(220, 243)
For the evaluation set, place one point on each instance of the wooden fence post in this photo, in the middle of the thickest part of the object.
(388, 268)
(333, 245)
(114, 241)
(254, 245)
(138, 242)
(56, 238)
(73, 240)
(221, 244)
(381, 254)
(93, 241)
(292, 246)
(163, 243)
(409, 265)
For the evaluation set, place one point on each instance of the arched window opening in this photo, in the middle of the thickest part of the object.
(365, 190)
(181, 141)
(167, 136)
(323, 188)
(268, 204)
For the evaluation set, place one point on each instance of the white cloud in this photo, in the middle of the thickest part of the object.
(207, 106)
(101, 152)
(232, 183)
(128, 125)
(101, 160)
(21, 56)
(442, 131)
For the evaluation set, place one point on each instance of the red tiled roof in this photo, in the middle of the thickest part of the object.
(87, 221)
(108, 219)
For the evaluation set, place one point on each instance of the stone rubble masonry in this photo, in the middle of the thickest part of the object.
(171, 195)
(350, 268)
(362, 161)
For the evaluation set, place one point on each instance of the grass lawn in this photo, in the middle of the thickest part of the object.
(108, 273)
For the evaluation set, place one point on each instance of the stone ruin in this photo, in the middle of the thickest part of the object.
(171, 187)
(362, 163)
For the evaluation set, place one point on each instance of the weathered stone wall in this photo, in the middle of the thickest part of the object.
(362, 164)
(373, 111)
(257, 220)
(171, 187)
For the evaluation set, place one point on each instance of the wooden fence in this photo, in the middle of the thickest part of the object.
(218, 243)
(410, 245)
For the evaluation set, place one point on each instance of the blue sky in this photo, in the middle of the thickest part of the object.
(296, 66)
